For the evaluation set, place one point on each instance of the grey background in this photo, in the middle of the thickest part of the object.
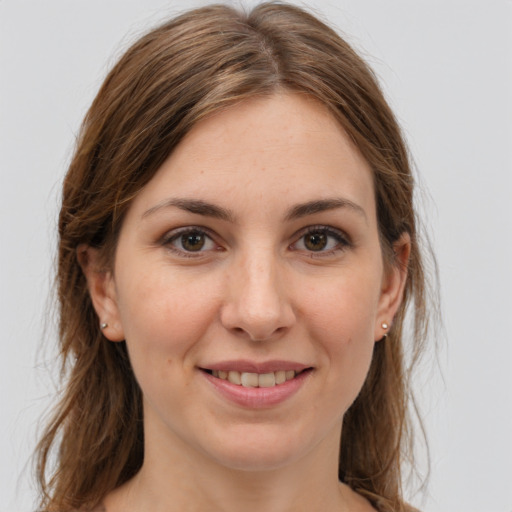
(446, 67)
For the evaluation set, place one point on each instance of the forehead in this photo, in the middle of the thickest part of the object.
(286, 147)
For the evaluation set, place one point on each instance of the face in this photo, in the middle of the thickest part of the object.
(252, 256)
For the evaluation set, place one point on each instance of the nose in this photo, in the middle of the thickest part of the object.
(257, 303)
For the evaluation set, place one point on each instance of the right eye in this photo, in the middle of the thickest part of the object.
(188, 241)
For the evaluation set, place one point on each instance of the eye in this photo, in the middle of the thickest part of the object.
(321, 239)
(189, 240)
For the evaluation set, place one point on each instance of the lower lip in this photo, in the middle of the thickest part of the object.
(257, 398)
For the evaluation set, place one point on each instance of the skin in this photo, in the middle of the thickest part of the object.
(258, 289)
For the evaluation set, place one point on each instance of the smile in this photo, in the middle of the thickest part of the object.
(255, 380)
(256, 385)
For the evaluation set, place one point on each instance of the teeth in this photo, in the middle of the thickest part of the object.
(255, 380)
(267, 380)
(280, 376)
(234, 378)
(249, 380)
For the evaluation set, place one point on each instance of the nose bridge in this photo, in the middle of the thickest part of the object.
(257, 301)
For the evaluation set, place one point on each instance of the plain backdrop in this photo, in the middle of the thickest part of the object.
(446, 67)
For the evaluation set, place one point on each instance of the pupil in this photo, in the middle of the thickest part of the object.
(193, 241)
(316, 242)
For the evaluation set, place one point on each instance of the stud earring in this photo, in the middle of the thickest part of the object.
(384, 325)
(103, 325)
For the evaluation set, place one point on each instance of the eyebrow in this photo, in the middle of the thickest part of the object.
(298, 211)
(196, 206)
(322, 205)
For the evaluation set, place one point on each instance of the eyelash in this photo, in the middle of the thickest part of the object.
(341, 239)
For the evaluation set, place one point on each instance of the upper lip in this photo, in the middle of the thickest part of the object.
(245, 366)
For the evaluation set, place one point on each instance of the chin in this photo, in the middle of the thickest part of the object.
(258, 448)
(256, 459)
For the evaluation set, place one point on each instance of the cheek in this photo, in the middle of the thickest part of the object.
(341, 320)
(343, 310)
(163, 316)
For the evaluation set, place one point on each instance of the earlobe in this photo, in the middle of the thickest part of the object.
(101, 286)
(393, 286)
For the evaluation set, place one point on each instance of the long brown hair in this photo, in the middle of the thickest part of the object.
(170, 79)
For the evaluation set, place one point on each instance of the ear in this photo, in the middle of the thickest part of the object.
(393, 285)
(102, 290)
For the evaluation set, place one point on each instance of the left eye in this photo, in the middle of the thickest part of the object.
(192, 241)
(320, 240)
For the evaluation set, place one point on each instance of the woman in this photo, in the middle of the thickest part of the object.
(237, 251)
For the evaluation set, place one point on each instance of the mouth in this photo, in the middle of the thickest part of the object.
(254, 385)
(256, 380)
